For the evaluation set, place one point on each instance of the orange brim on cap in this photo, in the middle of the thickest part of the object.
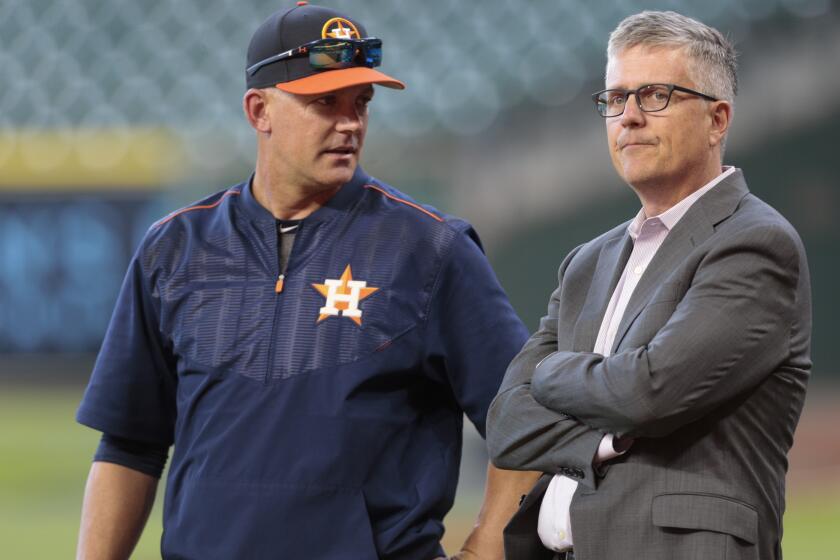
(331, 80)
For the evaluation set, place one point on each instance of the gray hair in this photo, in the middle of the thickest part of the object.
(714, 68)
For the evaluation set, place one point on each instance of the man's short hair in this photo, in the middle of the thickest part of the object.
(715, 60)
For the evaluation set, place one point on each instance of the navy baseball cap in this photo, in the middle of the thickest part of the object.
(274, 57)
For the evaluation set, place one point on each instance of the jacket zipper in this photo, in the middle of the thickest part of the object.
(278, 289)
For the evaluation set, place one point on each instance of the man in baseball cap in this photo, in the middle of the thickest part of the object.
(309, 340)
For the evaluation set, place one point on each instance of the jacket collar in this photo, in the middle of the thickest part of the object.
(337, 206)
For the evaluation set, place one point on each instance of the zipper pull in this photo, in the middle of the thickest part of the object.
(278, 287)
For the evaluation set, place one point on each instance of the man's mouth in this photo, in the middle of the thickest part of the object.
(623, 145)
(342, 150)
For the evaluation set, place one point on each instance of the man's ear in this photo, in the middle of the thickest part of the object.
(721, 117)
(255, 104)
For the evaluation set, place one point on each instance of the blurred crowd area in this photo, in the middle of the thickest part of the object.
(122, 63)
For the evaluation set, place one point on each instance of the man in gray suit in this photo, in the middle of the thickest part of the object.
(661, 392)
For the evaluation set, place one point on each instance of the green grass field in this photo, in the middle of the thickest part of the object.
(46, 456)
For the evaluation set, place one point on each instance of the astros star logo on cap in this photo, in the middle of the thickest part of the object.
(339, 28)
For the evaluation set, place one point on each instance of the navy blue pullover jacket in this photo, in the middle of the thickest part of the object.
(317, 417)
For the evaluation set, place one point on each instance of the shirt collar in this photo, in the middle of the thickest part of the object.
(672, 215)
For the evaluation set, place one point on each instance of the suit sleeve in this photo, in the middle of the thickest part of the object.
(729, 331)
(131, 393)
(473, 331)
(525, 435)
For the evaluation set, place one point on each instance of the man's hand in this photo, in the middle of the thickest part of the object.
(465, 555)
(501, 500)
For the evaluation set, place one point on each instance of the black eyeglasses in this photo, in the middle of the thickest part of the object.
(331, 54)
(650, 98)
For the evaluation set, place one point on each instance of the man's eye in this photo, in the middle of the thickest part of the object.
(657, 94)
(615, 100)
(326, 100)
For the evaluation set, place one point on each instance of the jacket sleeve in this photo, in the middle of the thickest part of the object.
(472, 331)
(131, 393)
(524, 434)
(729, 331)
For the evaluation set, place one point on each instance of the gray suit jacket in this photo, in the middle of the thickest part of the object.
(708, 373)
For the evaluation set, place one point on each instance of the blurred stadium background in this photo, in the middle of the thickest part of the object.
(115, 112)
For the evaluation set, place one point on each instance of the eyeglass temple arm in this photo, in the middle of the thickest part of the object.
(697, 93)
(251, 70)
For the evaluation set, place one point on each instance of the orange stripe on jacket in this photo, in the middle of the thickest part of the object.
(199, 207)
(406, 202)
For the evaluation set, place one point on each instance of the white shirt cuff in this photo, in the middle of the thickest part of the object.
(607, 451)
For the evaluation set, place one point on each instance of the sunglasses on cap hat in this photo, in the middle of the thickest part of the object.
(330, 54)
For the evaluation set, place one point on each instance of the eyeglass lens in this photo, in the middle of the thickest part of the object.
(343, 55)
(651, 98)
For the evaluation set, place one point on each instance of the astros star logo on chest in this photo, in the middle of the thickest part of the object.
(343, 296)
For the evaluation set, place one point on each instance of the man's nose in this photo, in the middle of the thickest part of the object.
(633, 114)
(350, 120)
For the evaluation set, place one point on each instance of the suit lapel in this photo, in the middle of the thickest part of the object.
(611, 261)
(695, 227)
